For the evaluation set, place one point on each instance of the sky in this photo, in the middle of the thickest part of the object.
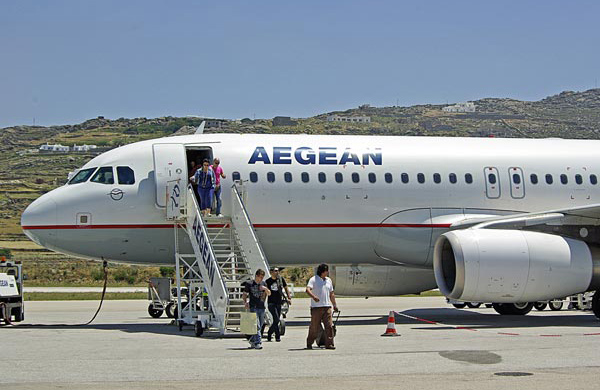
(62, 62)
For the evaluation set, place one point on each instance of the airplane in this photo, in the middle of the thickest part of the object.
(508, 221)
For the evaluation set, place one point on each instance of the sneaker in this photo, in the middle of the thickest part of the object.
(269, 339)
(258, 346)
(220, 216)
(278, 340)
(330, 347)
(308, 346)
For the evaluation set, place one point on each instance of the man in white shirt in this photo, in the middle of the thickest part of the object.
(320, 289)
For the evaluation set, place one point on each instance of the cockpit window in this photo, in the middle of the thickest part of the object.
(126, 175)
(104, 175)
(82, 176)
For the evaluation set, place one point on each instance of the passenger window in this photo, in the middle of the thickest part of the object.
(304, 176)
(404, 178)
(339, 177)
(253, 177)
(549, 179)
(236, 176)
(372, 178)
(82, 176)
(437, 179)
(452, 178)
(388, 177)
(322, 177)
(516, 178)
(593, 179)
(104, 175)
(564, 179)
(421, 178)
(533, 178)
(270, 177)
(492, 178)
(355, 177)
(578, 179)
(468, 178)
(287, 177)
(126, 175)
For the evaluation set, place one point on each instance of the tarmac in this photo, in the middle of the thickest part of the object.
(440, 347)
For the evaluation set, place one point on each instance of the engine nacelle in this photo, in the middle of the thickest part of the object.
(508, 266)
(377, 280)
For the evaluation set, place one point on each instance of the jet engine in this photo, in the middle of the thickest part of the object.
(509, 266)
(377, 280)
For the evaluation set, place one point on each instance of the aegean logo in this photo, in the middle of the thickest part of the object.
(305, 155)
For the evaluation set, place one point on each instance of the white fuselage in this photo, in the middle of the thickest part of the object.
(373, 216)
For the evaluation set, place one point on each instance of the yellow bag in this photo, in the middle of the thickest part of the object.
(248, 323)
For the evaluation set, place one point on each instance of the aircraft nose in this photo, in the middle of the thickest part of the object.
(41, 214)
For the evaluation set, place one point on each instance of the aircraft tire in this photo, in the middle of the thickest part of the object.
(473, 305)
(596, 304)
(513, 309)
(154, 313)
(198, 329)
(459, 305)
(540, 305)
(555, 304)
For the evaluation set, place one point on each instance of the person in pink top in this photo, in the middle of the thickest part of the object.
(219, 174)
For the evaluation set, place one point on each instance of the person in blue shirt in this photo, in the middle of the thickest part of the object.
(205, 180)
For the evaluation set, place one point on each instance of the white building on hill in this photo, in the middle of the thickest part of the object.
(54, 148)
(83, 148)
(357, 119)
(461, 107)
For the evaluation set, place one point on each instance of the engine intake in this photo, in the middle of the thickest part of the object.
(508, 266)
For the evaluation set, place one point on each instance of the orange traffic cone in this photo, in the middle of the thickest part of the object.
(391, 325)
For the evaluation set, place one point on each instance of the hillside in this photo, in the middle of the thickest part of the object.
(25, 173)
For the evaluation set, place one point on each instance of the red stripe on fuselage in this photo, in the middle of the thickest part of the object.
(258, 226)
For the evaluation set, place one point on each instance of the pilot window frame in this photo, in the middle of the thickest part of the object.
(253, 177)
(355, 177)
(271, 177)
(287, 177)
(103, 170)
(120, 174)
(86, 176)
(305, 177)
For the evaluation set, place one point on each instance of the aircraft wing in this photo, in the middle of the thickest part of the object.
(580, 215)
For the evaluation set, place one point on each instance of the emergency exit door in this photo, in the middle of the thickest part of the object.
(169, 165)
(517, 184)
(492, 182)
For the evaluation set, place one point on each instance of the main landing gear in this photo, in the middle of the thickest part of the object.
(515, 309)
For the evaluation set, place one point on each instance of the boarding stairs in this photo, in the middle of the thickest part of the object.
(225, 253)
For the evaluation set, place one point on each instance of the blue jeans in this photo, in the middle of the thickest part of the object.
(218, 202)
(260, 320)
(275, 309)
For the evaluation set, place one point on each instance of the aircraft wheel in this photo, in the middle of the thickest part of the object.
(555, 304)
(154, 313)
(473, 305)
(459, 305)
(518, 309)
(540, 305)
(489, 305)
(596, 304)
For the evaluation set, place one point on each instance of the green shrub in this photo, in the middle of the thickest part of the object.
(167, 272)
(6, 253)
(125, 274)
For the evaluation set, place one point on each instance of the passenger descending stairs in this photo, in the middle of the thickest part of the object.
(226, 253)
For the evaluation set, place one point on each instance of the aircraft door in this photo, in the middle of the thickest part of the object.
(169, 165)
(517, 184)
(492, 182)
